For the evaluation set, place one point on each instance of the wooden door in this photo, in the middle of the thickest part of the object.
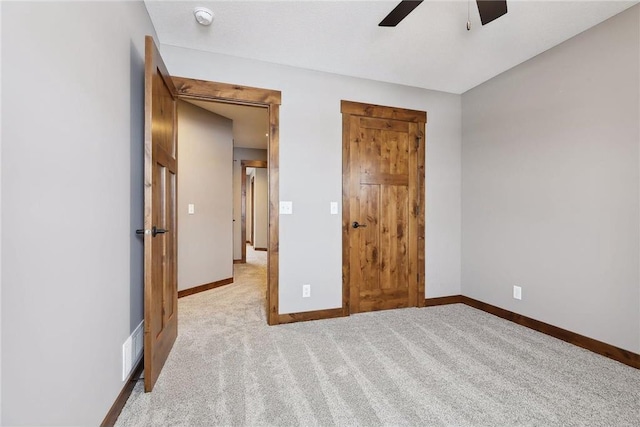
(383, 207)
(252, 209)
(160, 194)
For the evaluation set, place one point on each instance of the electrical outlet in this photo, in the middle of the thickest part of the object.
(334, 208)
(306, 291)
(517, 292)
(286, 208)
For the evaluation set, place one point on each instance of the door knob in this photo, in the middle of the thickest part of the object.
(355, 224)
(154, 231)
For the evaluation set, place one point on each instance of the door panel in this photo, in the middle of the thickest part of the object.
(368, 237)
(384, 192)
(394, 267)
(160, 238)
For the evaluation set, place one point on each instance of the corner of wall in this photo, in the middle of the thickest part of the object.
(527, 171)
(1, 216)
(461, 187)
(638, 17)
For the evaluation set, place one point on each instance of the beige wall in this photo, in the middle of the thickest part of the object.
(240, 154)
(550, 165)
(205, 152)
(261, 199)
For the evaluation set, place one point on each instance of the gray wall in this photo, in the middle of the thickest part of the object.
(550, 185)
(240, 154)
(72, 149)
(0, 219)
(205, 241)
(311, 169)
(261, 199)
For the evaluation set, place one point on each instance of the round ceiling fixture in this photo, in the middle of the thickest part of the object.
(203, 15)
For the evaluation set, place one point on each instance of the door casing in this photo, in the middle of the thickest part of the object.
(203, 90)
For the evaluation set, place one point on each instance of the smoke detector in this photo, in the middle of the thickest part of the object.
(203, 15)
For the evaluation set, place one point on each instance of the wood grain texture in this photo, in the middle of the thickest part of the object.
(274, 218)
(422, 214)
(352, 200)
(244, 95)
(203, 90)
(612, 352)
(252, 192)
(432, 302)
(346, 213)
(205, 287)
(160, 195)
(311, 315)
(383, 187)
(381, 178)
(244, 164)
(383, 124)
(379, 111)
(115, 410)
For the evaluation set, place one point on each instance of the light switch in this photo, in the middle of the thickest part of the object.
(286, 208)
(334, 208)
(192, 208)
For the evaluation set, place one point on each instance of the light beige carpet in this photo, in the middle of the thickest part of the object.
(440, 366)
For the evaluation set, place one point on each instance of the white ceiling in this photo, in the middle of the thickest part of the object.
(250, 124)
(431, 48)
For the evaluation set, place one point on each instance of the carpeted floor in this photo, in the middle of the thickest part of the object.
(439, 366)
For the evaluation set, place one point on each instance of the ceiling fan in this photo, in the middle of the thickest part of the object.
(489, 10)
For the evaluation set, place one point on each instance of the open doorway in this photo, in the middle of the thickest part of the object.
(250, 140)
(215, 138)
(255, 205)
(268, 101)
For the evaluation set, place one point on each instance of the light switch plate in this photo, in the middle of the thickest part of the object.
(334, 208)
(286, 208)
(192, 208)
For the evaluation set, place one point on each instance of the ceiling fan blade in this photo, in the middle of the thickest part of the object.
(491, 9)
(399, 13)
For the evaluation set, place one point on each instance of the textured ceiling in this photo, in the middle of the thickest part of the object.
(431, 48)
(250, 124)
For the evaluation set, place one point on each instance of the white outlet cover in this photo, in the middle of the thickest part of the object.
(517, 292)
(306, 291)
(191, 208)
(286, 208)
